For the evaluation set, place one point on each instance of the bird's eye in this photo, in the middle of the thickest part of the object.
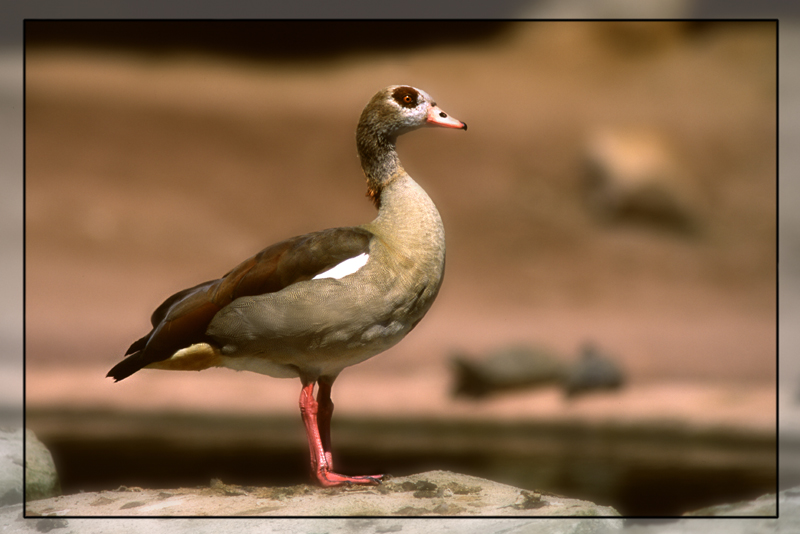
(406, 97)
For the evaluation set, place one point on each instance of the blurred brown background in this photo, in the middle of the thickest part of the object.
(159, 155)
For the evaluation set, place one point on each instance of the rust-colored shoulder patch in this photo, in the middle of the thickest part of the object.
(374, 196)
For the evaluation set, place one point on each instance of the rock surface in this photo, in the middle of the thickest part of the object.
(11, 516)
(763, 506)
(41, 480)
(435, 493)
(788, 502)
(10, 466)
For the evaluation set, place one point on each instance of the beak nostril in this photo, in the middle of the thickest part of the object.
(442, 114)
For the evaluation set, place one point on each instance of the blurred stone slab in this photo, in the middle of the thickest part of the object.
(435, 493)
(633, 174)
(508, 368)
(765, 505)
(41, 480)
(522, 525)
(530, 367)
(10, 466)
(787, 503)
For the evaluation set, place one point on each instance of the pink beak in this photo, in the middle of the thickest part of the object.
(437, 117)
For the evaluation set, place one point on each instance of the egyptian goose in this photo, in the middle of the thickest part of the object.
(314, 304)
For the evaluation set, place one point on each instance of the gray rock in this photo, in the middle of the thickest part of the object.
(41, 478)
(633, 175)
(10, 466)
(305, 526)
(787, 502)
(762, 506)
(593, 371)
(524, 367)
(508, 368)
(418, 489)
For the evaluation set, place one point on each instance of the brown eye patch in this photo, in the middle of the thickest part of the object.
(408, 97)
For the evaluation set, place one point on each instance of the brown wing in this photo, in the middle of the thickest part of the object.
(183, 318)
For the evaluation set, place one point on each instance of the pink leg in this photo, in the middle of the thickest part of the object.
(325, 407)
(308, 411)
(317, 419)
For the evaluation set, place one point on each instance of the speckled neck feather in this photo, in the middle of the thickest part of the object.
(376, 136)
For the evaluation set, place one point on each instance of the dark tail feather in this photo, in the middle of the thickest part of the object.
(139, 344)
(127, 367)
(133, 360)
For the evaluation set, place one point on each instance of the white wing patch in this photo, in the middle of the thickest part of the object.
(348, 266)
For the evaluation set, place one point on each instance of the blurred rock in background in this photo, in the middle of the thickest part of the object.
(525, 367)
(632, 175)
(593, 371)
(506, 369)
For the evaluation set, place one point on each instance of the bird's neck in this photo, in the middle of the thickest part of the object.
(408, 222)
(379, 160)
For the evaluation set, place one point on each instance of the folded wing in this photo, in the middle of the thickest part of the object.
(182, 319)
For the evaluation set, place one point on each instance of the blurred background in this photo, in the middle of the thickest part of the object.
(616, 187)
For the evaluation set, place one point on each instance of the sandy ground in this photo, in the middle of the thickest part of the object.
(149, 174)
